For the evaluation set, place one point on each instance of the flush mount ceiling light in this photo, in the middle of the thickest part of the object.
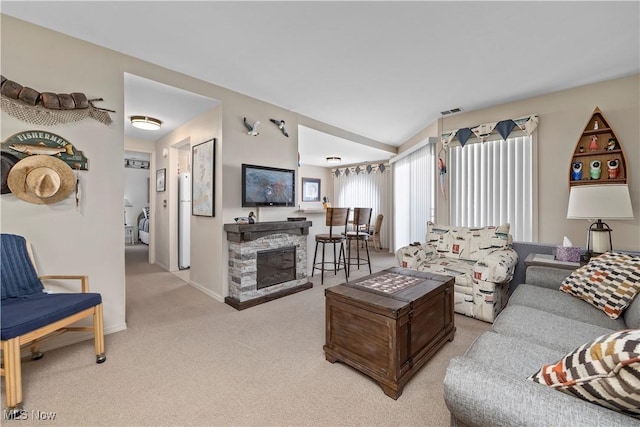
(146, 123)
(334, 159)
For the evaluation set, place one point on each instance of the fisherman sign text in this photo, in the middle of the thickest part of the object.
(37, 142)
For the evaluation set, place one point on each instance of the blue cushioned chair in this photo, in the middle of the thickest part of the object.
(30, 314)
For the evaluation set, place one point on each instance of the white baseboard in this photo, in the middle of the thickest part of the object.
(115, 328)
(74, 338)
(162, 266)
(206, 291)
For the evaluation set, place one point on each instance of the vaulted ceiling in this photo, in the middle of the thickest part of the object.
(383, 70)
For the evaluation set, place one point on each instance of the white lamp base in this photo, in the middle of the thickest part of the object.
(600, 241)
(599, 238)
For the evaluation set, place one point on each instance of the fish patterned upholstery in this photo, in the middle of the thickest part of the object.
(481, 260)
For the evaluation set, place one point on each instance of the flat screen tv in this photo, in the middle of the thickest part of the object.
(267, 186)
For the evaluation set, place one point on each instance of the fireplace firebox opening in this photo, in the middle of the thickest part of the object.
(276, 266)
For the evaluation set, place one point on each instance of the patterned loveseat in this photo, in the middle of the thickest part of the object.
(481, 260)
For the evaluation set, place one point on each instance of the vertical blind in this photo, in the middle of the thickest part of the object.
(491, 184)
(414, 186)
(366, 190)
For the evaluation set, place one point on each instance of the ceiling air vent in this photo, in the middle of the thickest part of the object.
(452, 111)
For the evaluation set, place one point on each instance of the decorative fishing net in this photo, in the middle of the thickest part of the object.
(38, 115)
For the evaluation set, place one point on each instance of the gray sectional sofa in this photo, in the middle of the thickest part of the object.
(488, 385)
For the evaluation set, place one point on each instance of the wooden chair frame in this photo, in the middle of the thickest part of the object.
(375, 234)
(11, 368)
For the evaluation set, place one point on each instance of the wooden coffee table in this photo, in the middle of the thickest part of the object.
(389, 324)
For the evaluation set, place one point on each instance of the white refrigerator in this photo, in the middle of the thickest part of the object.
(184, 220)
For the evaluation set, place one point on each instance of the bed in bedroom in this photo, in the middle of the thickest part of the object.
(143, 226)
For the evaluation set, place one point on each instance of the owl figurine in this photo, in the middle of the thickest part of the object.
(613, 168)
(596, 169)
(576, 171)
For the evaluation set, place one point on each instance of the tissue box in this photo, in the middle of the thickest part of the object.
(568, 253)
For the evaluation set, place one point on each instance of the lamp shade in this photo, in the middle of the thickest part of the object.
(610, 201)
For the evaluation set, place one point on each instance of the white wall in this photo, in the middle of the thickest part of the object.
(183, 153)
(198, 130)
(318, 219)
(270, 148)
(91, 241)
(326, 184)
(69, 241)
(563, 116)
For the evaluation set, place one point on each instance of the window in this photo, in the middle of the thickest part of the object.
(414, 191)
(365, 189)
(491, 183)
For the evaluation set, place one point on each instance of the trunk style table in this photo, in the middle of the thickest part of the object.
(389, 324)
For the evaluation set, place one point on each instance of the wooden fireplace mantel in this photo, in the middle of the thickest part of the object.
(247, 232)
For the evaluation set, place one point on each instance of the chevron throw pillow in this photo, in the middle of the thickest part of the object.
(605, 371)
(609, 282)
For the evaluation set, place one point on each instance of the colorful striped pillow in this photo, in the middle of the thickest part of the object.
(609, 282)
(605, 371)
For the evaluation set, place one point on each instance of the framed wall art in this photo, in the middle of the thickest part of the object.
(310, 190)
(161, 177)
(203, 178)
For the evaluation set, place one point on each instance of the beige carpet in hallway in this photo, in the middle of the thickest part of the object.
(187, 359)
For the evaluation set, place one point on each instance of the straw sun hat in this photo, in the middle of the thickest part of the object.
(41, 179)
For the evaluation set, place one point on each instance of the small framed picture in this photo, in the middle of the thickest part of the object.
(310, 190)
(161, 176)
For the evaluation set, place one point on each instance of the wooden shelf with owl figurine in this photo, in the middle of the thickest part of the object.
(598, 157)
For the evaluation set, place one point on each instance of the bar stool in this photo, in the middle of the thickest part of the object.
(335, 217)
(361, 216)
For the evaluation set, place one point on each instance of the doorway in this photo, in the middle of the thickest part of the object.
(137, 216)
(175, 108)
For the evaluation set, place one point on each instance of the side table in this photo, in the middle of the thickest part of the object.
(128, 234)
(549, 261)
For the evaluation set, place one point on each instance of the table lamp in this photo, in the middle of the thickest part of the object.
(598, 202)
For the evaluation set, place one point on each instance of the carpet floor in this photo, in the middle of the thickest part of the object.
(189, 360)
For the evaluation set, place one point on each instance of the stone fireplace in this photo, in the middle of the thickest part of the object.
(266, 261)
